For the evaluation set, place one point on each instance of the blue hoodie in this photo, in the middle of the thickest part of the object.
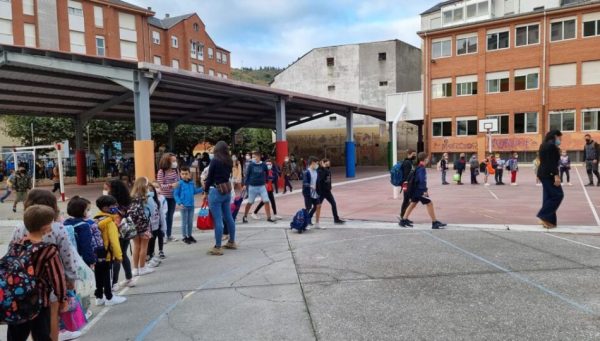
(421, 181)
(83, 237)
(184, 193)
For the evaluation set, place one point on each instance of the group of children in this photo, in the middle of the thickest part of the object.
(492, 165)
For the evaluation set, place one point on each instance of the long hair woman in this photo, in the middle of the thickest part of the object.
(119, 191)
(218, 187)
(139, 195)
(168, 179)
(549, 155)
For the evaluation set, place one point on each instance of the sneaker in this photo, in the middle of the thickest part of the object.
(271, 220)
(405, 223)
(130, 283)
(277, 217)
(187, 240)
(15, 209)
(115, 300)
(146, 271)
(162, 255)
(67, 335)
(230, 245)
(339, 221)
(437, 225)
(191, 239)
(172, 239)
(486, 184)
(116, 287)
(245, 220)
(538, 184)
(153, 264)
(135, 272)
(215, 251)
(255, 216)
(100, 301)
(570, 184)
(590, 184)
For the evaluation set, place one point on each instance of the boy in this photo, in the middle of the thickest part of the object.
(287, 174)
(21, 184)
(109, 211)
(48, 269)
(474, 163)
(418, 192)
(444, 168)
(184, 198)
(460, 165)
(324, 190)
(407, 167)
(78, 209)
(9, 184)
(500, 163)
(513, 167)
(270, 188)
(309, 189)
(256, 180)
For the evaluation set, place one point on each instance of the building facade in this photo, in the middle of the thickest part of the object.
(532, 65)
(358, 73)
(112, 29)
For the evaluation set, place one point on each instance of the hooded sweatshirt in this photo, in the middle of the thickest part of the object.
(110, 236)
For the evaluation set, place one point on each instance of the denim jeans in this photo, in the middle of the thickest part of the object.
(8, 192)
(170, 213)
(220, 208)
(551, 200)
(187, 221)
(444, 176)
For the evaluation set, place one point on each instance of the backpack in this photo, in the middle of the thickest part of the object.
(20, 299)
(97, 241)
(397, 175)
(482, 167)
(137, 215)
(300, 221)
(411, 182)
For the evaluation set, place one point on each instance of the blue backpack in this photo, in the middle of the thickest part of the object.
(300, 221)
(397, 175)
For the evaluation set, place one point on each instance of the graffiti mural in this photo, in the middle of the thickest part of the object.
(454, 145)
(507, 144)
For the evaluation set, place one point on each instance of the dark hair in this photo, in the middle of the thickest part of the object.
(120, 192)
(422, 156)
(587, 135)
(325, 160)
(221, 152)
(165, 162)
(205, 156)
(551, 135)
(410, 151)
(42, 197)
(105, 201)
(151, 186)
(312, 159)
(38, 216)
(77, 206)
(184, 168)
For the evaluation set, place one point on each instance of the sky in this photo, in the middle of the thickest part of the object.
(278, 32)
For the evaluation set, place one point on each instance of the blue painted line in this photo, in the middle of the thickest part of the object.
(518, 276)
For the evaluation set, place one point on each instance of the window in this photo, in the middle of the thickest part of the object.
(442, 127)
(527, 35)
(331, 88)
(563, 75)
(502, 123)
(225, 76)
(590, 72)
(98, 17)
(200, 51)
(383, 83)
(562, 120)
(497, 82)
(526, 123)
(76, 20)
(224, 58)
(28, 7)
(330, 61)
(441, 88)
(193, 50)
(466, 126)
(201, 68)
(211, 72)
(526, 79)
(498, 40)
(175, 64)
(6, 32)
(210, 53)
(75, 8)
(220, 75)
(591, 119)
(174, 42)
(466, 45)
(453, 15)
(466, 85)
(382, 56)
(196, 27)
(128, 36)
(219, 57)
(435, 23)
(563, 30)
(441, 48)
(332, 118)
(157, 60)
(194, 67)
(30, 36)
(156, 37)
(77, 42)
(128, 50)
(100, 46)
(591, 24)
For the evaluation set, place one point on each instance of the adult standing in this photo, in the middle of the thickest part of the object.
(218, 188)
(407, 167)
(591, 155)
(168, 179)
(549, 155)
(474, 165)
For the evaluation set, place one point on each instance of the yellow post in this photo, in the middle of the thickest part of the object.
(143, 151)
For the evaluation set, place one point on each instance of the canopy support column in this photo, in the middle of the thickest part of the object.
(143, 145)
(350, 146)
(80, 157)
(281, 144)
(171, 142)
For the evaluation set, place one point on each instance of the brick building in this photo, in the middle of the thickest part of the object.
(534, 65)
(112, 29)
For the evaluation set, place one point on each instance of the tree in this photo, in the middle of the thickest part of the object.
(188, 136)
(255, 139)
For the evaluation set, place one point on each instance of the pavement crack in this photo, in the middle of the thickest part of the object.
(237, 290)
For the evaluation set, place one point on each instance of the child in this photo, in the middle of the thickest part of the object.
(109, 210)
(158, 221)
(48, 268)
(500, 163)
(184, 197)
(287, 174)
(309, 189)
(536, 165)
(565, 167)
(21, 184)
(444, 168)
(513, 167)
(78, 209)
(418, 192)
(9, 184)
(270, 188)
(460, 165)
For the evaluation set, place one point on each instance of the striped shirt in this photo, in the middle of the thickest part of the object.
(166, 181)
(48, 269)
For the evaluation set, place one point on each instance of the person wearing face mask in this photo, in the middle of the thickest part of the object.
(565, 167)
(459, 166)
(256, 180)
(474, 167)
(309, 189)
(513, 168)
(247, 162)
(407, 167)
(168, 179)
(22, 184)
(324, 191)
(287, 174)
(548, 174)
(270, 189)
(444, 168)
(591, 155)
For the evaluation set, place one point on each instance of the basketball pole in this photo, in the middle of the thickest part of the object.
(489, 132)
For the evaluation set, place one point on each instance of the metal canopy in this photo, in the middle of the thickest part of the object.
(48, 83)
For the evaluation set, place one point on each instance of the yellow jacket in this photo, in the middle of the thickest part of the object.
(110, 236)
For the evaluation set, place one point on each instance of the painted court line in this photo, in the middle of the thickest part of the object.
(588, 197)
(100, 315)
(573, 241)
(518, 276)
(493, 194)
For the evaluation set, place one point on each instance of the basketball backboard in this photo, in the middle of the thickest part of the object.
(488, 125)
(414, 106)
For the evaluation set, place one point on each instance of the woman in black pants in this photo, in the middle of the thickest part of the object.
(550, 178)
(119, 191)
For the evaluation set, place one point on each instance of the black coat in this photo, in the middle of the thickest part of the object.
(549, 158)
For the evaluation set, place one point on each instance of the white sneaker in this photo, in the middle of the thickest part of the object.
(570, 184)
(146, 271)
(486, 184)
(135, 272)
(152, 264)
(538, 184)
(255, 216)
(100, 302)
(318, 226)
(128, 283)
(117, 287)
(67, 335)
(115, 300)
(277, 217)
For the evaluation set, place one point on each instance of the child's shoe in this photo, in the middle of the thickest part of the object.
(115, 300)
(100, 302)
(67, 335)
(162, 255)
(146, 271)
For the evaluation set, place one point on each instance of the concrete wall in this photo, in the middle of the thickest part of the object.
(408, 68)
(373, 71)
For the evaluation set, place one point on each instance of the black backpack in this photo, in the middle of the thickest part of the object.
(482, 167)
(411, 182)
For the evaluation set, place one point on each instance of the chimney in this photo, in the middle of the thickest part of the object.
(167, 15)
(150, 8)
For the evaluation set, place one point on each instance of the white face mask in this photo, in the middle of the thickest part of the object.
(105, 192)
(248, 157)
(234, 158)
(174, 165)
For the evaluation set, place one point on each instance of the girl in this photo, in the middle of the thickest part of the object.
(565, 167)
(142, 204)
(536, 165)
(168, 179)
(158, 223)
(237, 174)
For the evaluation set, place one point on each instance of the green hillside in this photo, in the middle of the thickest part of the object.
(261, 76)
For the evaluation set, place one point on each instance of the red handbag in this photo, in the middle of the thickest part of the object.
(204, 220)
